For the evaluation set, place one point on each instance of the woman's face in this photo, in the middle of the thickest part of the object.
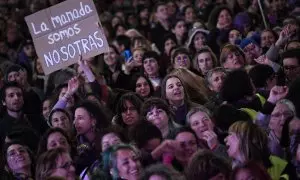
(158, 117)
(18, 158)
(128, 164)
(199, 40)
(216, 81)
(83, 122)
(200, 122)
(142, 87)
(151, 67)
(188, 146)
(182, 61)
(267, 39)
(120, 31)
(224, 19)
(189, 15)
(171, 8)
(279, 116)
(130, 116)
(205, 62)
(138, 56)
(233, 36)
(169, 44)
(179, 29)
(39, 67)
(174, 90)
(144, 14)
(64, 167)
(46, 108)
(109, 140)
(61, 120)
(234, 60)
(233, 144)
(110, 58)
(29, 50)
(57, 140)
(115, 21)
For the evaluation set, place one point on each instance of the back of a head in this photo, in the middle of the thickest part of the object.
(259, 75)
(123, 40)
(142, 132)
(159, 170)
(207, 165)
(236, 86)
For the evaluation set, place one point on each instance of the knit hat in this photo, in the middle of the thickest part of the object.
(13, 68)
(245, 42)
(241, 21)
(192, 34)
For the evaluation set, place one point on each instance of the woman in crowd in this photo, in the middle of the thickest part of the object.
(197, 39)
(205, 60)
(55, 163)
(128, 110)
(199, 119)
(159, 113)
(232, 57)
(60, 118)
(124, 162)
(111, 136)
(113, 73)
(194, 85)
(141, 85)
(247, 142)
(19, 161)
(151, 68)
(173, 91)
(179, 29)
(89, 122)
(181, 59)
(56, 138)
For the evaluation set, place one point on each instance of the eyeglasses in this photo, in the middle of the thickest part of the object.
(181, 58)
(290, 68)
(66, 166)
(286, 114)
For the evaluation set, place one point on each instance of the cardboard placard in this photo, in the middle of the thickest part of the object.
(65, 31)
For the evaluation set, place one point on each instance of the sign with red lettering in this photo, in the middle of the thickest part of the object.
(65, 31)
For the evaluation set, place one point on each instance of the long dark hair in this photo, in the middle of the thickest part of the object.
(95, 112)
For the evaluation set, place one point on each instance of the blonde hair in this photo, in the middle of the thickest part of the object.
(136, 33)
(194, 84)
(253, 141)
(227, 49)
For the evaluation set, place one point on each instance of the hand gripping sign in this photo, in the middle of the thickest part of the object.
(65, 31)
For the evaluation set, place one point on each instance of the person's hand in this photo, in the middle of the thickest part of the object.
(263, 59)
(170, 146)
(211, 139)
(298, 153)
(285, 34)
(73, 85)
(277, 93)
(83, 65)
(129, 65)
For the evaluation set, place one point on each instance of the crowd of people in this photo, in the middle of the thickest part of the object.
(188, 90)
